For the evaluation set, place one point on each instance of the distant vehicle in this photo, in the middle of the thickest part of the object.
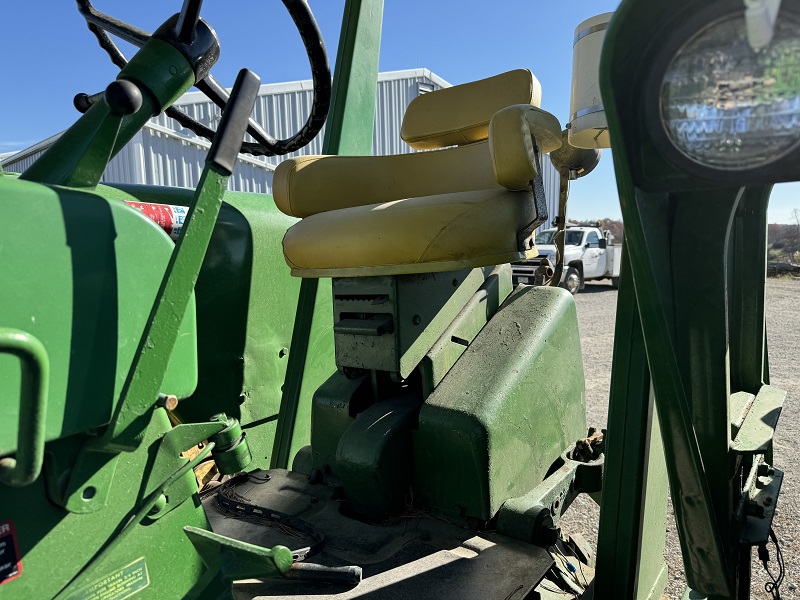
(589, 254)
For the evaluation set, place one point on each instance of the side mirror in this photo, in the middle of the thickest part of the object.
(603, 243)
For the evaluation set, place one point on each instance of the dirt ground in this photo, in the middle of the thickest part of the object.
(596, 311)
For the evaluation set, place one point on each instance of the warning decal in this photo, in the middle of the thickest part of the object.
(118, 585)
(170, 218)
(10, 559)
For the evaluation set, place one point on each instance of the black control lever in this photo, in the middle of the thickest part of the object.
(235, 118)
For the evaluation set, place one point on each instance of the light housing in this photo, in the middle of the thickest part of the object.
(716, 109)
(726, 106)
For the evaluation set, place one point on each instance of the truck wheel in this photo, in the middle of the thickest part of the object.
(615, 283)
(572, 280)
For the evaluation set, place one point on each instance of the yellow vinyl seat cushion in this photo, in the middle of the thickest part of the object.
(445, 209)
(307, 185)
(417, 235)
(461, 114)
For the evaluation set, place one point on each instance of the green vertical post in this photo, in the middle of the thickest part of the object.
(701, 308)
(650, 228)
(748, 343)
(632, 536)
(649, 244)
(349, 131)
(747, 332)
(696, 246)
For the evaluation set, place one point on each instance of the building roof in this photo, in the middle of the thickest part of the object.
(307, 84)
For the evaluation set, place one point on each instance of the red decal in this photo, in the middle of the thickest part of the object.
(10, 558)
(168, 217)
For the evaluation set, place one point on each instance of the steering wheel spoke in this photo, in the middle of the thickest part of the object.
(127, 33)
(185, 24)
(187, 20)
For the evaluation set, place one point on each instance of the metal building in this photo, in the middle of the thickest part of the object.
(164, 153)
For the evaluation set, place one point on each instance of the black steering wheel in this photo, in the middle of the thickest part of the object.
(101, 25)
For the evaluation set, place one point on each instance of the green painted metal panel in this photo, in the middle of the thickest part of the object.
(506, 411)
(758, 426)
(56, 544)
(651, 566)
(80, 273)
(336, 404)
(373, 458)
(246, 305)
(463, 329)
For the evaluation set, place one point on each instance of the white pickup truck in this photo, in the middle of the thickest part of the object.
(588, 254)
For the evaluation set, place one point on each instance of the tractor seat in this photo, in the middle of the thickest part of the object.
(467, 202)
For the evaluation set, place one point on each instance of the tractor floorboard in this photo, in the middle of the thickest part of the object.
(414, 556)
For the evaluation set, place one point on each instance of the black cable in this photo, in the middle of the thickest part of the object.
(772, 587)
(238, 505)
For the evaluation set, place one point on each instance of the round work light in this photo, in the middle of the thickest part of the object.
(726, 106)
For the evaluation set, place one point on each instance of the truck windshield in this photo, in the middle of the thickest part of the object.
(573, 237)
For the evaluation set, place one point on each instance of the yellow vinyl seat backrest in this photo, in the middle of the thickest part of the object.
(460, 204)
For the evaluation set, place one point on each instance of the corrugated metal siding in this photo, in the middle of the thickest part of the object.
(164, 153)
(290, 110)
(23, 159)
(282, 115)
(393, 98)
(20, 164)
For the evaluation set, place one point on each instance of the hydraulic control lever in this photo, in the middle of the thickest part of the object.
(140, 392)
(152, 358)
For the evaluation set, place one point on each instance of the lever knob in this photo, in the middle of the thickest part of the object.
(123, 97)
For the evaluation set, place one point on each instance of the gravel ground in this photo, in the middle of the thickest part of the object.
(596, 310)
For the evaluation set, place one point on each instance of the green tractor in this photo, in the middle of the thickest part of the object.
(388, 416)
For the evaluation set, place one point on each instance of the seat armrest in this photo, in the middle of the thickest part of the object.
(512, 131)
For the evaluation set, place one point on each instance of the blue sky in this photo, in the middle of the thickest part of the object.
(49, 56)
